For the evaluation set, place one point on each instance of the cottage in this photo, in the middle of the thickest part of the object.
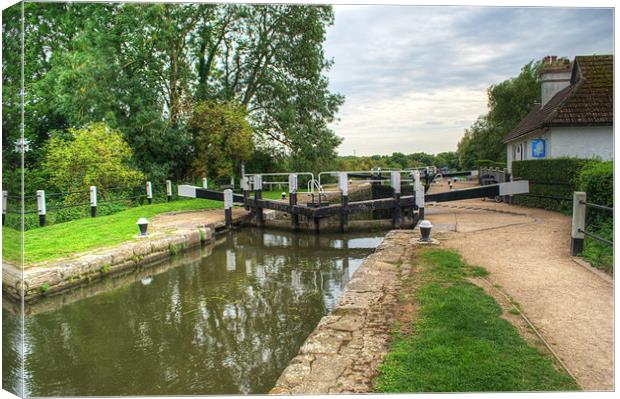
(575, 116)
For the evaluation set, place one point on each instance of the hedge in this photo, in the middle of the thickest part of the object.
(550, 178)
(487, 162)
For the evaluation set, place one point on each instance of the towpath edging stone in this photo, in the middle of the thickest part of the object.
(343, 353)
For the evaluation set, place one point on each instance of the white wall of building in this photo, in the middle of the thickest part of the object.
(579, 142)
(582, 142)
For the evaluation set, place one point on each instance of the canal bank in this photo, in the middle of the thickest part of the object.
(344, 351)
(170, 234)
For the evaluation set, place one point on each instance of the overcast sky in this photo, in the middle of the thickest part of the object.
(415, 77)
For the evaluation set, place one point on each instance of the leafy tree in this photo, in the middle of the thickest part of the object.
(509, 102)
(93, 156)
(222, 138)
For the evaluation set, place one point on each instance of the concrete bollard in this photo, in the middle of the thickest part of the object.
(579, 223)
(169, 190)
(292, 199)
(205, 183)
(245, 187)
(149, 192)
(93, 201)
(228, 204)
(5, 197)
(41, 210)
(419, 194)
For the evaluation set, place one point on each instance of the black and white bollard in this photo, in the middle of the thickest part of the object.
(228, 204)
(450, 184)
(169, 190)
(292, 199)
(258, 194)
(41, 207)
(343, 185)
(205, 183)
(397, 214)
(579, 223)
(5, 198)
(425, 230)
(93, 201)
(143, 224)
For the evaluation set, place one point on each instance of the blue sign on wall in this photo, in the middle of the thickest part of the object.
(538, 148)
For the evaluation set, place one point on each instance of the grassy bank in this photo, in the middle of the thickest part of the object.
(459, 341)
(63, 239)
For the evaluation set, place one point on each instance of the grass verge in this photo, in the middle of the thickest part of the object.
(63, 239)
(459, 342)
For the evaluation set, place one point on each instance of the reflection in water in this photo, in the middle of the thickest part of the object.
(223, 324)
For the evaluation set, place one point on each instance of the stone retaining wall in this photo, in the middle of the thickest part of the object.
(344, 351)
(50, 277)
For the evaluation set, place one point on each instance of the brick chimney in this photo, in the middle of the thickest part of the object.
(554, 76)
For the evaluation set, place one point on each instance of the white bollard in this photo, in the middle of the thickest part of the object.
(258, 182)
(579, 223)
(205, 183)
(149, 192)
(93, 201)
(41, 210)
(228, 204)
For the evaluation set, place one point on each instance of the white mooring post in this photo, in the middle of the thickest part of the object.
(93, 201)
(579, 223)
(244, 183)
(149, 192)
(228, 203)
(5, 197)
(205, 183)
(41, 210)
(169, 190)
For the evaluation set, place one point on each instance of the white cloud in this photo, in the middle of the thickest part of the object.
(415, 77)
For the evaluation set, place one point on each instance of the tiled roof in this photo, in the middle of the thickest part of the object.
(587, 101)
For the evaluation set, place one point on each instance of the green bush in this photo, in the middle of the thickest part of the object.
(550, 178)
(597, 180)
(487, 162)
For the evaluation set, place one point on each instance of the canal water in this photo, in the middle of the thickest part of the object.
(225, 319)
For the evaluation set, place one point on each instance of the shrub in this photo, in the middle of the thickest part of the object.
(550, 178)
(597, 180)
(487, 162)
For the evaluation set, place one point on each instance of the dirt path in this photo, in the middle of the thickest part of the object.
(193, 219)
(527, 252)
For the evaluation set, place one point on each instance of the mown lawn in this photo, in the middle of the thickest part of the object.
(459, 341)
(63, 239)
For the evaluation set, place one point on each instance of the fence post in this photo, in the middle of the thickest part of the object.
(419, 194)
(343, 185)
(5, 197)
(579, 223)
(149, 192)
(245, 186)
(292, 199)
(41, 207)
(169, 190)
(396, 215)
(258, 194)
(228, 203)
(205, 183)
(93, 201)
